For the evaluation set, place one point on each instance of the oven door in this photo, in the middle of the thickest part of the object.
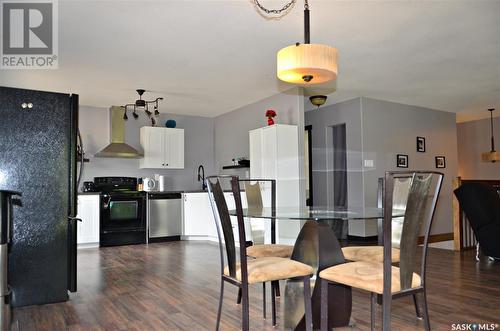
(123, 213)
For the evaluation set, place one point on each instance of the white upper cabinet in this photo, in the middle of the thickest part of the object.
(163, 148)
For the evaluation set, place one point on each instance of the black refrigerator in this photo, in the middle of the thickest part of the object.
(38, 157)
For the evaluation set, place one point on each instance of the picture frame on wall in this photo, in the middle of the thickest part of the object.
(402, 161)
(421, 144)
(440, 162)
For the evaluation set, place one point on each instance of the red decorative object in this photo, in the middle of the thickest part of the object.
(270, 114)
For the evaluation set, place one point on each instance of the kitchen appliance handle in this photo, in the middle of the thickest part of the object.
(72, 194)
(82, 163)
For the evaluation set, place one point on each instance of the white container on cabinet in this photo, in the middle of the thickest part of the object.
(163, 148)
(89, 212)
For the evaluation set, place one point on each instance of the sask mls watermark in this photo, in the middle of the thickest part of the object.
(29, 34)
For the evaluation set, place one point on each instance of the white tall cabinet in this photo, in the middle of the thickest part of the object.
(163, 148)
(274, 154)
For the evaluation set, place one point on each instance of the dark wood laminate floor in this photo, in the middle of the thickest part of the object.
(175, 286)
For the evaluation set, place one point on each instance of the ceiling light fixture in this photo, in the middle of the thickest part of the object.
(142, 105)
(304, 64)
(318, 100)
(491, 156)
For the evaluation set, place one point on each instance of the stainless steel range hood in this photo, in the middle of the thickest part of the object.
(118, 148)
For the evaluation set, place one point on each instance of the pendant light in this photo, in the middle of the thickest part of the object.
(305, 64)
(318, 100)
(491, 156)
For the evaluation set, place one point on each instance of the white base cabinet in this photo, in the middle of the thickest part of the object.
(88, 229)
(198, 219)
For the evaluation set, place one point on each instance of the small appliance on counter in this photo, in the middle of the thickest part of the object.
(123, 211)
(88, 187)
(149, 184)
(161, 183)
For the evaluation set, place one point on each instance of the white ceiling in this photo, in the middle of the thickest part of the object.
(209, 57)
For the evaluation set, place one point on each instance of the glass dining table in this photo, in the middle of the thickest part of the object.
(317, 246)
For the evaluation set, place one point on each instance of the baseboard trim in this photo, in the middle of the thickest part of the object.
(434, 238)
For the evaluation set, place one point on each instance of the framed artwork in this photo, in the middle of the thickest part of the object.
(402, 161)
(421, 144)
(440, 162)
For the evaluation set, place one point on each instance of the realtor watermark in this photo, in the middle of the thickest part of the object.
(29, 33)
(475, 326)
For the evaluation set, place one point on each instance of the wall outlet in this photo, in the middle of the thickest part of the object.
(368, 163)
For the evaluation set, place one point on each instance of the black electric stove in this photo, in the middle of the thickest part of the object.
(123, 211)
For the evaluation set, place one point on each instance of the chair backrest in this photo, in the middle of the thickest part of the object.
(253, 190)
(421, 204)
(480, 202)
(253, 194)
(227, 244)
(399, 199)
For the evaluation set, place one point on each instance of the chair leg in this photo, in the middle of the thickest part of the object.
(427, 322)
(324, 304)
(307, 304)
(273, 304)
(245, 309)
(219, 311)
(264, 300)
(386, 313)
(417, 308)
(373, 308)
(276, 283)
(238, 300)
(478, 250)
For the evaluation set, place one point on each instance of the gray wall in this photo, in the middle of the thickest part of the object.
(322, 120)
(198, 149)
(474, 139)
(378, 130)
(231, 129)
(391, 128)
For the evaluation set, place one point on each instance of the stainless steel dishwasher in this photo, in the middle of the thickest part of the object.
(164, 216)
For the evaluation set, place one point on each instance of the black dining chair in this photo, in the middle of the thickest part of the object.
(253, 192)
(236, 269)
(481, 204)
(384, 279)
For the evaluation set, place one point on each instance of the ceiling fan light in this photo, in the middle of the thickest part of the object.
(307, 64)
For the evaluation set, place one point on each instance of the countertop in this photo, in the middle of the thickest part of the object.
(175, 191)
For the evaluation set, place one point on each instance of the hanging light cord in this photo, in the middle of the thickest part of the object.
(275, 11)
(492, 136)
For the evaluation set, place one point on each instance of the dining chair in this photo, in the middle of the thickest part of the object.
(375, 253)
(385, 279)
(236, 269)
(259, 249)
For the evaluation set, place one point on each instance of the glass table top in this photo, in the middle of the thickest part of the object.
(317, 213)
